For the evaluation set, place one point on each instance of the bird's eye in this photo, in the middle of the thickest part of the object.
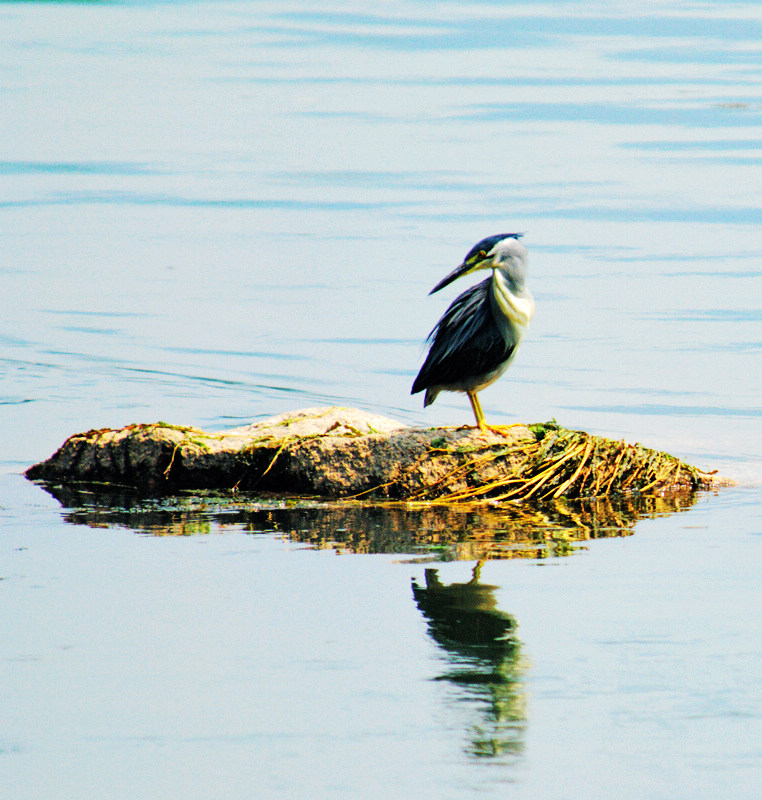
(482, 254)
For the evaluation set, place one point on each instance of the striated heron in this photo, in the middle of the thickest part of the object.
(476, 339)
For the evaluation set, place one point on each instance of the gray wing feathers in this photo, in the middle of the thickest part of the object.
(465, 343)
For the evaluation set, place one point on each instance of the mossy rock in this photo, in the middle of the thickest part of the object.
(341, 452)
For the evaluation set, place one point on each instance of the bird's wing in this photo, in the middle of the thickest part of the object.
(465, 343)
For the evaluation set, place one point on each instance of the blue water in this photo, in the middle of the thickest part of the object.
(213, 212)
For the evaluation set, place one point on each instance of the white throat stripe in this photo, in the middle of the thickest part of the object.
(518, 310)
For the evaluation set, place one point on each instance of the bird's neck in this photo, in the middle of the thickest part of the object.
(515, 304)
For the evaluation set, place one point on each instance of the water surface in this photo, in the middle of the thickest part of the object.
(214, 212)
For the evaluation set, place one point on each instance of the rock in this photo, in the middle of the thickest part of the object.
(341, 452)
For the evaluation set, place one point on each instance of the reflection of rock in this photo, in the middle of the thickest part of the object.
(453, 532)
(482, 655)
(342, 452)
(106, 506)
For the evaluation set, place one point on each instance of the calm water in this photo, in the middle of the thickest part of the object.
(215, 212)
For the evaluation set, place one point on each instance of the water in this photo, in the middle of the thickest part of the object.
(216, 212)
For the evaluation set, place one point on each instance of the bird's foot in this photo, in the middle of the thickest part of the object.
(501, 430)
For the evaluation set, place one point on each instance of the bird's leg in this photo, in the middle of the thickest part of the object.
(477, 570)
(480, 421)
(477, 409)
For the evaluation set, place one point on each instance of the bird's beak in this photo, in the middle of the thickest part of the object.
(466, 268)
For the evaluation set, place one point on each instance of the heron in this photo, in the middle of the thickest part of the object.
(476, 339)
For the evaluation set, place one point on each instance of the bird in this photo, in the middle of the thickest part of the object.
(476, 339)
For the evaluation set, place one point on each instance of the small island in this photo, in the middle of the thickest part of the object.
(338, 452)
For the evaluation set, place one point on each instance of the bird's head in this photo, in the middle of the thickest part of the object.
(503, 251)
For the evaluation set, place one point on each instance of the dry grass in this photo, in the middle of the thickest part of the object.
(563, 463)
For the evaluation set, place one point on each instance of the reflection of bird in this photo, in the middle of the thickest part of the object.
(465, 620)
(477, 337)
(481, 647)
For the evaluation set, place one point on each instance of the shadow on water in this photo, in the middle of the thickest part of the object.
(483, 659)
(424, 533)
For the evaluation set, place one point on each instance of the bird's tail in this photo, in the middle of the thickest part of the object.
(430, 396)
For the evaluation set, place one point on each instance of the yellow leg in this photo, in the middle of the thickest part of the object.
(477, 408)
(479, 414)
(477, 570)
